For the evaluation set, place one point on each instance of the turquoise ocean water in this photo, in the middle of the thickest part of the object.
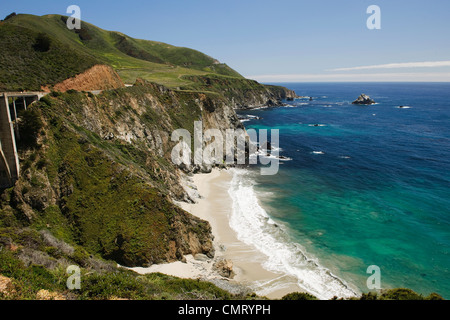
(367, 185)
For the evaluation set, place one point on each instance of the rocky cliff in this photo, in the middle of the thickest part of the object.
(242, 93)
(98, 77)
(99, 172)
(96, 169)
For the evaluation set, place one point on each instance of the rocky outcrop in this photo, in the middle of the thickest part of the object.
(224, 267)
(241, 93)
(99, 77)
(112, 174)
(364, 100)
(105, 166)
(6, 286)
(49, 295)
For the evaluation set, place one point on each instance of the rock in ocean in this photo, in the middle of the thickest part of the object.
(363, 99)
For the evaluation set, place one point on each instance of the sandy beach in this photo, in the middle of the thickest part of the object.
(215, 206)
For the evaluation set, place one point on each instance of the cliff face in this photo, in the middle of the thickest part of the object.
(101, 174)
(243, 93)
(96, 169)
(99, 77)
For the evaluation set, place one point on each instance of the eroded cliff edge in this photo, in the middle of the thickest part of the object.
(242, 93)
(97, 170)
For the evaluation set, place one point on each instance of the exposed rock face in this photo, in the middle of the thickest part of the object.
(6, 286)
(99, 77)
(245, 93)
(224, 267)
(105, 166)
(363, 99)
(48, 295)
(112, 160)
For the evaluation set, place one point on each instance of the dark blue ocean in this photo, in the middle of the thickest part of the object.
(367, 185)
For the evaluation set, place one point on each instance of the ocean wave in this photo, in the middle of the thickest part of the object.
(259, 108)
(283, 158)
(255, 227)
(273, 154)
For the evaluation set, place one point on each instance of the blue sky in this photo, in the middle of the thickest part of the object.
(285, 40)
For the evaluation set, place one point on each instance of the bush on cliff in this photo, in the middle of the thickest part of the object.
(29, 128)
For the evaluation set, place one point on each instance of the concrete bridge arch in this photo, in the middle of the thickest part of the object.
(10, 103)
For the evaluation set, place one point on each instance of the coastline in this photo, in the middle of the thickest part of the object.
(215, 206)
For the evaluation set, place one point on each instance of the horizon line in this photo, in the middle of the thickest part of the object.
(373, 77)
(422, 64)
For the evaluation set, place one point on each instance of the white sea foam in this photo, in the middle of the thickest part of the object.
(318, 152)
(284, 158)
(259, 108)
(255, 227)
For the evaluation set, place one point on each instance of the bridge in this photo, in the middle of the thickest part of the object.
(10, 105)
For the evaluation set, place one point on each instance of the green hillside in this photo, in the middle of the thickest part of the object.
(69, 52)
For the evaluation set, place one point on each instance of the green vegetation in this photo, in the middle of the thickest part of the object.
(51, 53)
(112, 283)
(42, 60)
(103, 207)
(31, 125)
(111, 203)
(299, 296)
(399, 294)
(391, 294)
(70, 52)
(10, 16)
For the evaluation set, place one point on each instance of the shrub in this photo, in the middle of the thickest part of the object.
(369, 296)
(42, 43)
(46, 100)
(401, 294)
(299, 296)
(30, 127)
(434, 296)
(10, 16)
(84, 34)
(55, 94)
(41, 163)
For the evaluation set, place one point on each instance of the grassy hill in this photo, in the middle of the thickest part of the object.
(70, 52)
